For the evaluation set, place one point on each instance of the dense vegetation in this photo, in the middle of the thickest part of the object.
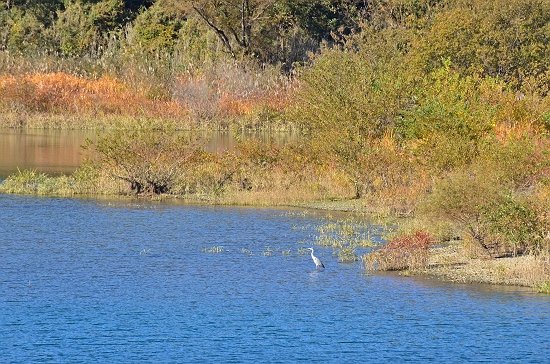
(428, 108)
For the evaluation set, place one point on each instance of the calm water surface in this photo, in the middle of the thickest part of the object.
(56, 151)
(93, 281)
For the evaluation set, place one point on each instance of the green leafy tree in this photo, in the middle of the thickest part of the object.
(235, 22)
(347, 102)
(83, 28)
(504, 38)
(157, 29)
(24, 25)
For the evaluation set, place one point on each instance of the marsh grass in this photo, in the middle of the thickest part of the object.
(455, 262)
(66, 94)
(347, 255)
(543, 287)
(217, 249)
(35, 183)
(303, 250)
(221, 95)
(344, 233)
(268, 251)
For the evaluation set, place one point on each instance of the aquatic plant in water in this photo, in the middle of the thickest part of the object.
(215, 249)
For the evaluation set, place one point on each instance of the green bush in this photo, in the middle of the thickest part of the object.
(148, 157)
(495, 199)
(450, 120)
(514, 224)
(457, 198)
(157, 29)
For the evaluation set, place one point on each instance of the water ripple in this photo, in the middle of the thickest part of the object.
(103, 281)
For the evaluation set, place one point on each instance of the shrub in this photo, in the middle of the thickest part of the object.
(450, 120)
(347, 101)
(148, 157)
(514, 224)
(457, 198)
(498, 201)
(406, 252)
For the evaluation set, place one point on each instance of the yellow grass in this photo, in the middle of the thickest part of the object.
(457, 262)
(192, 100)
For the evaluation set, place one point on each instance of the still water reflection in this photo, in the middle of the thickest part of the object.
(59, 151)
(87, 281)
(48, 151)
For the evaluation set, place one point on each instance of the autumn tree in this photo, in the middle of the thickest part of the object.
(507, 39)
(148, 157)
(235, 22)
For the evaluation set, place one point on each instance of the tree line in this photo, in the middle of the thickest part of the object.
(504, 38)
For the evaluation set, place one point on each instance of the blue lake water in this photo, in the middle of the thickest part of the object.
(103, 281)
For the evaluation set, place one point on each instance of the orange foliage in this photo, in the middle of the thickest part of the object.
(406, 252)
(419, 240)
(233, 105)
(63, 93)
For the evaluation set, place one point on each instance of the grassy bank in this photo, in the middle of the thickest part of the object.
(458, 263)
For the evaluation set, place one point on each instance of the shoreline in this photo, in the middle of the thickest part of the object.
(454, 263)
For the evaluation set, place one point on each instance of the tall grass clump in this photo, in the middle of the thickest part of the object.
(32, 182)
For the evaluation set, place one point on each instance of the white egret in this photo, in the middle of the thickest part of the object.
(316, 260)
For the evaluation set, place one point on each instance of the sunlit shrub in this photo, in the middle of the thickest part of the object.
(210, 176)
(148, 157)
(451, 119)
(514, 224)
(406, 252)
(498, 200)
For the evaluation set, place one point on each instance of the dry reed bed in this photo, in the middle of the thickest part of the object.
(457, 263)
(63, 100)
(68, 94)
